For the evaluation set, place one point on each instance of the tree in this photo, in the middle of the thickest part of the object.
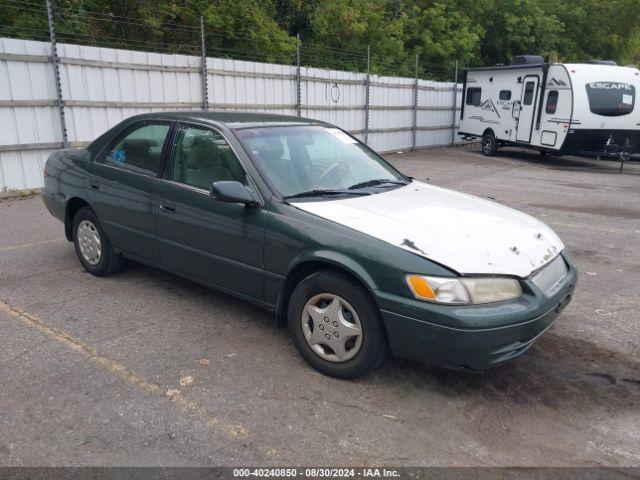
(335, 33)
(519, 27)
(600, 30)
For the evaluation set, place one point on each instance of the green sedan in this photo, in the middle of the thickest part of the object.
(358, 260)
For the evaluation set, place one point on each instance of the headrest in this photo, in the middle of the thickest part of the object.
(268, 148)
(136, 145)
(203, 153)
(189, 141)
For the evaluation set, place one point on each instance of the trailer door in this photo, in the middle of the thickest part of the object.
(528, 102)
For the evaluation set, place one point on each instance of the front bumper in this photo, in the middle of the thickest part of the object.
(475, 337)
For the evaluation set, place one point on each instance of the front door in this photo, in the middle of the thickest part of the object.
(122, 187)
(528, 102)
(218, 242)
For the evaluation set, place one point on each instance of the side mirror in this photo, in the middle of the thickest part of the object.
(232, 192)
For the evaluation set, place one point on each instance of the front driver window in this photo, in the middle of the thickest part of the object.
(139, 150)
(202, 156)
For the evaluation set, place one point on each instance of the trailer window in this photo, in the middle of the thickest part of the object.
(528, 93)
(473, 96)
(552, 102)
(611, 99)
(505, 94)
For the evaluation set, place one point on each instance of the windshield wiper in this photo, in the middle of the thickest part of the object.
(323, 193)
(376, 182)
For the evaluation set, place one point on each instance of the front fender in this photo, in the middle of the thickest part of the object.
(338, 260)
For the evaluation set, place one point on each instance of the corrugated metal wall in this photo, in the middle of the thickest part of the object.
(102, 86)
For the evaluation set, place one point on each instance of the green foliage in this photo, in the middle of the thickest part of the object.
(519, 27)
(335, 33)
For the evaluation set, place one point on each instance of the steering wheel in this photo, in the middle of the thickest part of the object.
(329, 170)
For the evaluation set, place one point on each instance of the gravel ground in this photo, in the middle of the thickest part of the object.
(91, 369)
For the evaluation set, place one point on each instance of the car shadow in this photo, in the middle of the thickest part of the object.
(557, 372)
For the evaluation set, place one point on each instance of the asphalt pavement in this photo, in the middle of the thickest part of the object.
(144, 368)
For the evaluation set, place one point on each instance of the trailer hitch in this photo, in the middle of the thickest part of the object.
(622, 152)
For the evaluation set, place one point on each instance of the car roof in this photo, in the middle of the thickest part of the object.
(231, 119)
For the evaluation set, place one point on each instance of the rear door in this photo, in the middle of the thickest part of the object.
(220, 243)
(528, 102)
(122, 186)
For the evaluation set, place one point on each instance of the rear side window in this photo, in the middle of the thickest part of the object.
(611, 98)
(473, 96)
(529, 89)
(505, 94)
(140, 149)
(552, 102)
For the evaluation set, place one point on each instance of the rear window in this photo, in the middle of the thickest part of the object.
(473, 96)
(611, 99)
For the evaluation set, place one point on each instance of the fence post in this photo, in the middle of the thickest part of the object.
(415, 107)
(203, 67)
(455, 106)
(56, 71)
(366, 97)
(298, 85)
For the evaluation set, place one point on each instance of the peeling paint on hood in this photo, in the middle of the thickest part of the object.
(467, 234)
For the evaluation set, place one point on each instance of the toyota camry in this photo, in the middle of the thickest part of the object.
(355, 258)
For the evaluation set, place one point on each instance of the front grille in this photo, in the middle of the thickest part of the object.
(549, 278)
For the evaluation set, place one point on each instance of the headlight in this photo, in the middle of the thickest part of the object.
(463, 291)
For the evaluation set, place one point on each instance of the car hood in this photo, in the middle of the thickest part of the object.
(467, 234)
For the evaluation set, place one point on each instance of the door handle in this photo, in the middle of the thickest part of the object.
(167, 208)
(94, 186)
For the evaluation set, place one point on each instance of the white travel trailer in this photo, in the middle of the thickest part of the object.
(583, 109)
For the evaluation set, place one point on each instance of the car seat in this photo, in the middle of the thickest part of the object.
(269, 151)
(138, 154)
(204, 163)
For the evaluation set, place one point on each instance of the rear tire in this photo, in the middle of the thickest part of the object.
(489, 144)
(92, 246)
(336, 326)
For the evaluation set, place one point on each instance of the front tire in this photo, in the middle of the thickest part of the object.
(336, 326)
(92, 246)
(489, 144)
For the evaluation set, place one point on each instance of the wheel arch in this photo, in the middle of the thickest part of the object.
(487, 131)
(312, 263)
(72, 206)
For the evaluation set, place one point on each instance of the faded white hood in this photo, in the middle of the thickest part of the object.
(462, 232)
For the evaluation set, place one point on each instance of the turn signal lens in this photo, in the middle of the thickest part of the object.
(463, 291)
(420, 287)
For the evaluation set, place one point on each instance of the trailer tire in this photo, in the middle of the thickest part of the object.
(489, 144)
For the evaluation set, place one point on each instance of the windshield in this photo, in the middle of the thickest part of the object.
(611, 98)
(314, 159)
